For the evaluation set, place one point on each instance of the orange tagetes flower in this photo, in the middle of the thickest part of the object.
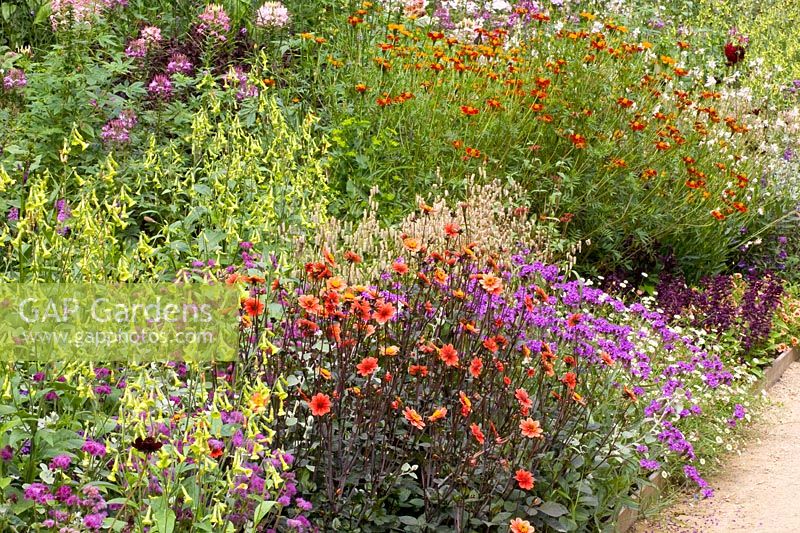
(414, 418)
(475, 367)
(578, 140)
(253, 307)
(466, 404)
(320, 404)
(367, 366)
(491, 283)
(530, 428)
(411, 244)
(523, 398)
(438, 414)
(384, 312)
(418, 370)
(449, 355)
(570, 380)
(309, 303)
(452, 229)
(524, 479)
(469, 110)
(477, 433)
(518, 525)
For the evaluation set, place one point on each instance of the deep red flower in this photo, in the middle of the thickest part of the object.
(149, 444)
(733, 53)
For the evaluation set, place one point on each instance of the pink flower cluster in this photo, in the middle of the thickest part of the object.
(14, 79)
(160, 87)
(66, 13)
(272, 15)
(215, 22)
(179, 63)
(149, 38)
(119, 129)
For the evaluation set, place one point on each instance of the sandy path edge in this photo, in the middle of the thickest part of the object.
(758, 491)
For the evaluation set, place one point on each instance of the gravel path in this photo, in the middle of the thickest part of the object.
(759, 490)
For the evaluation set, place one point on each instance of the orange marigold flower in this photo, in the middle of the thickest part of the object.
(477, 433)
(418, 370)
(384, 312)
(493, 103)
(491, 345)
(352, 257)
(335, 284)
(637, 125)
(466, 404)
(578, 140)
(412, 244)
(390, 350)
(662, 145)
(320, 404)
(449, 355)
(414, 418)
(438, 414)
(570, 380)
(518, 525)
(491, 283)
(574, 319)
(367, 366)
(630, 394)
(452, 229)
(523, 398)
(475, 367)
(253, 306)
(309, 303)
(717, 214)
(400, 267)
(624, 102)
(530, 428)
(524, 479)
(435, 35)
(472, 152)
(469, 110)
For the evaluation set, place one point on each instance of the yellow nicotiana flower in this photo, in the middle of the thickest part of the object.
(186, 498)
(7, 388)
(112, 476)
(163, 460)
(216, 513)
(148, 520)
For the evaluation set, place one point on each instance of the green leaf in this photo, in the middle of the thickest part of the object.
(408, 520)
(262, 510)
(7, 9)
(164, 518)
(552, 509)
